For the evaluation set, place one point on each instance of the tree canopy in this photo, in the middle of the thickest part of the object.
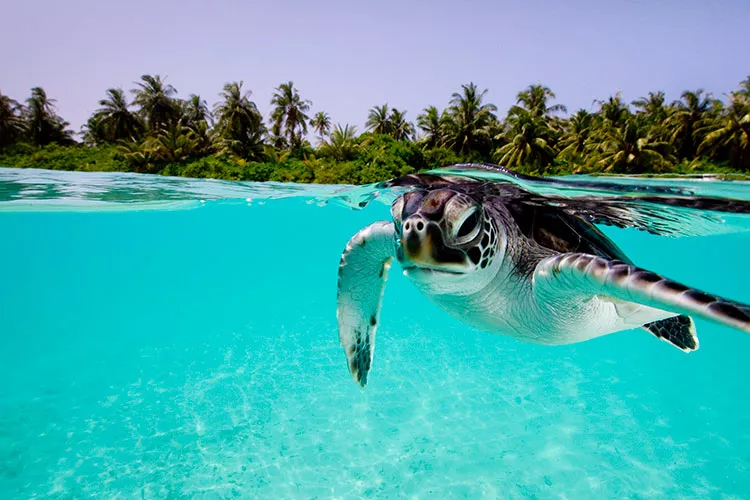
(158, 132)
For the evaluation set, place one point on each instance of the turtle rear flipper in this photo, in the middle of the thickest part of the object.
(362, 275)
(677, 330)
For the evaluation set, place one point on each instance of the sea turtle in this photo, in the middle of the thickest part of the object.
(514, 262)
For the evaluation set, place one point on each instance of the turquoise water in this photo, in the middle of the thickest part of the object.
(163, 338)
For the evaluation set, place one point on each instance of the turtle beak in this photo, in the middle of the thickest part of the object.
(416, 241)
(423, 246)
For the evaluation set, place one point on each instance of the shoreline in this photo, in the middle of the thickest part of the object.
(311, 169)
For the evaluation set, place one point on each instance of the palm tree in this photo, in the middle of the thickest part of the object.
(173, 144)
(652, 113)
(11, 121)
(613, 112)
(469, 120)
(732, 132)
(744, 87)
(628, 149)
(196, 116)
(341, 144)
(195, 112)
(93, 132)
(239, 127)
(43, 124)
(289, 116)
(138, 156)
(535, 98)
(113, 121)
(321, 123)
(578, 130)
(401, 130)
(379, 120)
(652, 106)
(432, 123)
(154, 98)
(688, 117)
(528, 140)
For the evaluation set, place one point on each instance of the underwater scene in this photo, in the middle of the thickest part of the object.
(177, 338)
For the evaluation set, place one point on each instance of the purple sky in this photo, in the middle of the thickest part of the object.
(349, 56)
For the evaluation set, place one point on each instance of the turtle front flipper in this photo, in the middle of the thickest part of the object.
(362, 274)
(578, 274)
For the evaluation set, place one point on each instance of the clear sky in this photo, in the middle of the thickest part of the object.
(347, 56)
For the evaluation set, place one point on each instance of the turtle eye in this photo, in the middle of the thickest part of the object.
(468, 228)
(468, 225)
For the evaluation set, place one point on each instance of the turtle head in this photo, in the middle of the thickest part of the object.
(446, 240)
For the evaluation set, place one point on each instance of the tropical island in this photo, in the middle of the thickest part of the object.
(159, 133)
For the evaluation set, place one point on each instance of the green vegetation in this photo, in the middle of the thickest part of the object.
(157, 132)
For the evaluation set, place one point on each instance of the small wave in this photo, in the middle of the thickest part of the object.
(46, 190)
